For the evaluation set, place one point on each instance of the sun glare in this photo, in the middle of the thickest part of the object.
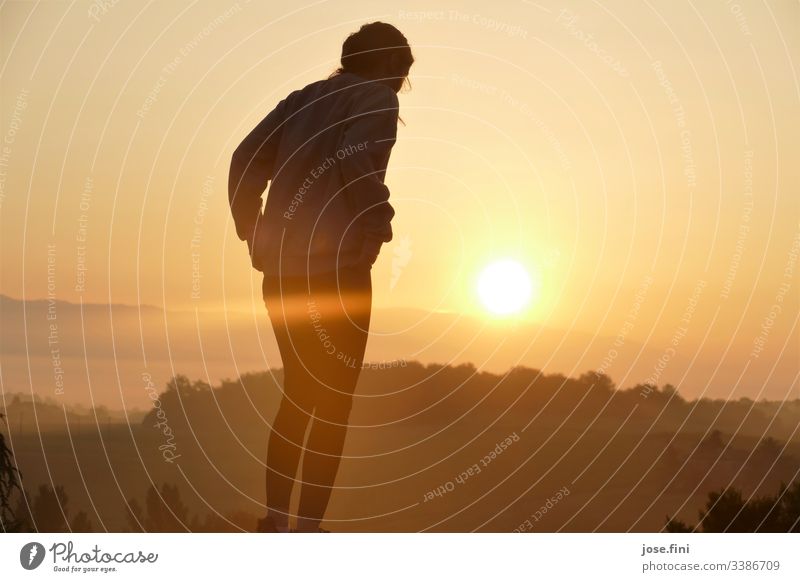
(505, 287)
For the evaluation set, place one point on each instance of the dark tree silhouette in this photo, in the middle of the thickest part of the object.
(50, 509)
(677, 526)
(181, 383)
(81, 523)
(48, 512)
(22, 513)
(599, 380)
(9, 482)
(164, 511)
(236, 522)
(134, 516)
(727, 511)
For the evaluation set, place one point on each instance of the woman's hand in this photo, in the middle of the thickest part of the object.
(370, 251)
(252, 248)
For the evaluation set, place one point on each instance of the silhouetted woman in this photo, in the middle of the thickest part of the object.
(324, 151)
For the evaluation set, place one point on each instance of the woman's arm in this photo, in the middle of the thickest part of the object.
(366, 146)
(252, 166)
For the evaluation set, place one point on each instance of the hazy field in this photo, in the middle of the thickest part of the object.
(419, 455)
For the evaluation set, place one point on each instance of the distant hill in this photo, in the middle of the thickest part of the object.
(628, 461)
(105, 350)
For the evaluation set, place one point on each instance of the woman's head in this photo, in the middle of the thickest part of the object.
(377, 51)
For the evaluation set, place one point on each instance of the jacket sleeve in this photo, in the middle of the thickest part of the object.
(369, 135)
(252, 166)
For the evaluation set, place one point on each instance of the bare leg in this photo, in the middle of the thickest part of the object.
(283, 456)
(347, 320)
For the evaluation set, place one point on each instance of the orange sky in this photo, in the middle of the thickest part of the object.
(648, 146)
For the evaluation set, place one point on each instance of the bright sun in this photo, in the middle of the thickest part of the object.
(505, 287)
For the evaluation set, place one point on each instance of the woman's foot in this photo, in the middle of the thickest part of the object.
(268, 525)
(308, 525)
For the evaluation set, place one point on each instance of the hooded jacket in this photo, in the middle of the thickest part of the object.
(324, 151)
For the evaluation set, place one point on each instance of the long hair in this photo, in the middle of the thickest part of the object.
(373, 45)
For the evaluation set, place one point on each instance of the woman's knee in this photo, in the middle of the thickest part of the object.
(292, 411)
